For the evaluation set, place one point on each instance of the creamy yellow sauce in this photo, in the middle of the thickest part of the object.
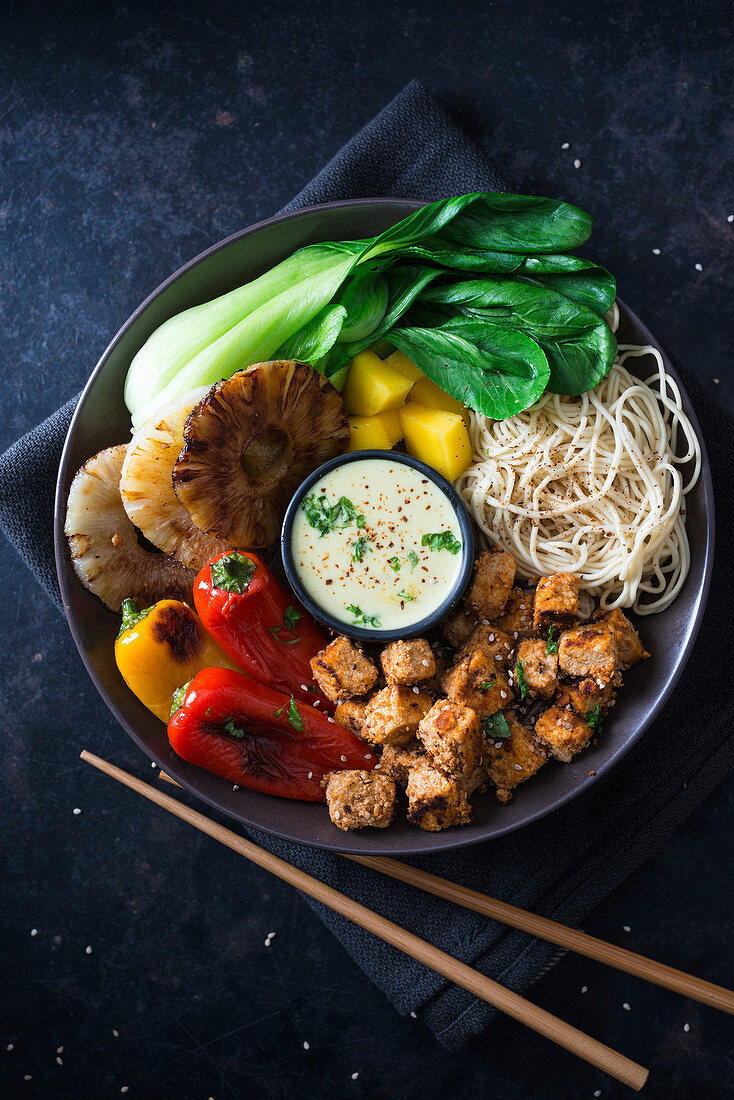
(366, 563)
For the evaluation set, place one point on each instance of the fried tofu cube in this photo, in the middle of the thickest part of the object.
(394, 714)
(588, 650)
(357, 798)
(562, 732)
(351, 712)
(540, 669)
(343, 670)
(513, 759)
(397, 760)
(458, 628)
(475, 782)
(435, 800)
(630, 649)
(452, 735)
(556, 601)
(494, 574)
(517, 619)
(492, 641)
(584, 696)
(408, 662)
(479, 683)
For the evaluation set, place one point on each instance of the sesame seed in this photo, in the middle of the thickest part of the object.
(368, 756)
(498, 657)
(656, 251)
(565, 145)
(306, 1046)
(27, 1077)
(76, 811)
(426, 664)
(730, 217)
(355, 1076)
(626, 1007)
(317, 702)
(498, 744)
(416, 691)
(153, 764)
(577, 163)
(34, 931)
(331, 720)
(59, 1061)
(414, 1015)
(698, 267)
(304, 687)
(88, 950)
(686, 1027)
(115, 1032)
(584, 988)
(236, 787)
(9, 1046)
(503, 694)
(597, 1092)
(715, 381)
(626, 928)
(310, 775)
(125, 1088)
(337, 815)
(343, 759)
(485, 622)
(517, 767)
(59, 1050)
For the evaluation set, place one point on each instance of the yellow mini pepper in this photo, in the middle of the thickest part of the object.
(160, 649)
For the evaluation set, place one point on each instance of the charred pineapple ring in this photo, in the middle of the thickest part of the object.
(105, 552)
(249, 444)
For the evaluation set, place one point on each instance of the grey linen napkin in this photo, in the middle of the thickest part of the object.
(566, 865)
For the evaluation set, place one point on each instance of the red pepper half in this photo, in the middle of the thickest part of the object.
(260, 738)
(259, 624)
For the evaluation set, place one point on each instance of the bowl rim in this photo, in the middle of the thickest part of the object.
(362, 633)
(451, 839)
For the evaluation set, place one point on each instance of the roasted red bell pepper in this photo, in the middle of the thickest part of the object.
(260, 738)
(259, 624)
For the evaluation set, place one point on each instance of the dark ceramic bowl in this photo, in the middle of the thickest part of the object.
(363, 633)
(101, 420)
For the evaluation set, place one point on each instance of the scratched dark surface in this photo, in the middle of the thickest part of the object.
(128, 142)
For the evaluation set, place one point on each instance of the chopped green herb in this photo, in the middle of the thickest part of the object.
(551, 646)
(208, 711)
(291, 617)
(325, 517)
(521, 681)
(496, 726)
(275, 632)
(442, 540)
(293, 714)
(131, 616)
(394, 564)
(487, 684)
(311, 687)
(360, 617)
(232, 729)
(178, 697)
(406, 596)
(233, 572)
(413, 559)
(594, 719)
(360, 548)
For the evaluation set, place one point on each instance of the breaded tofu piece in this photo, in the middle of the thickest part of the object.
(556, 602)
(539, 667)
(397, 760)
(477, 682)
(435, 800)
(457, 628)
(517, 618)
(357, 798)
(562, 732)
(393, 715)
(452, 735)
(408, 662)
(584, 696)
(630, 649)
(514, 759)
(494, 575)
(475, 782)
(588, 650)
(351, 713)
(491, 640)
(343, 670)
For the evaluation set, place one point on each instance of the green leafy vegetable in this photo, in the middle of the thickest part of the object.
(442, 540)
(291, 617)
(233, 572)
(131, 616)
(520, 678)
(364, 299)
(595, 719)
(496, 727)
(316, 338)
(394, 564)
(361, 618)
(292, 714)
(177, 699)
(360, 548)
(413, 559)
(406, 596)
(327, 517)
(551, 646)
(232, 729)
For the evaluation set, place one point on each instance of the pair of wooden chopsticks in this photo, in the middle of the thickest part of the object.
(512, 1004)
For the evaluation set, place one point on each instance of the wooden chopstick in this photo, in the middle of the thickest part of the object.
(512, 1004)
(570, 938)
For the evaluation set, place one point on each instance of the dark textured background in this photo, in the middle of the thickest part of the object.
(130, 139)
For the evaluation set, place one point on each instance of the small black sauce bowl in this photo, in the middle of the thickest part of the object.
(364, 633)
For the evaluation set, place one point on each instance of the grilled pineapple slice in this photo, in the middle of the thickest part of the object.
(105, 552)
(147, 492)
(249, 444)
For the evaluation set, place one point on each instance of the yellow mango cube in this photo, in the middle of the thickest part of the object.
(380, 432)
(373, 386)
(426, 392)
(405, 366)
(437, 437)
